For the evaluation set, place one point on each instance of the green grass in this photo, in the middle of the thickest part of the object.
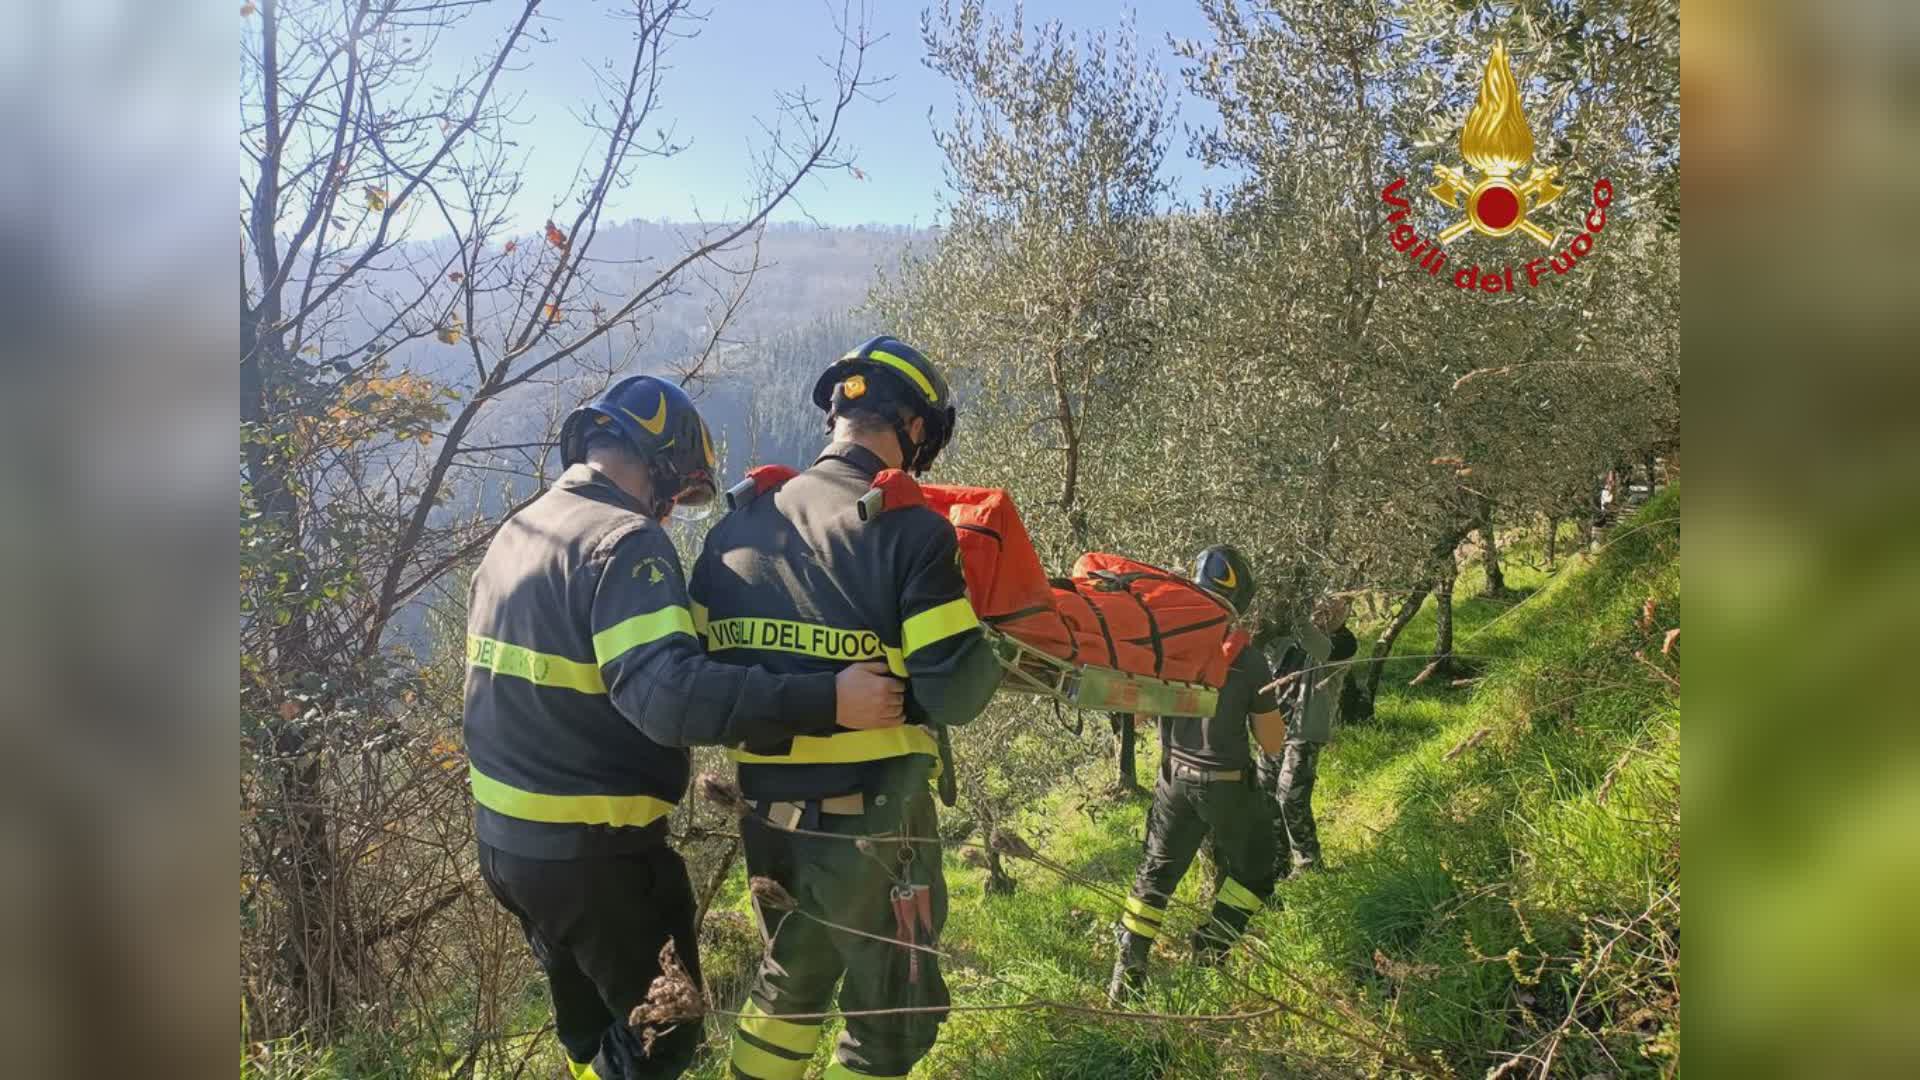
(1519, 895)
(1474, 897)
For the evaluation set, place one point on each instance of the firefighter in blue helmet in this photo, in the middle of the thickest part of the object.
(1206, 785)
(798, 581)
(586, 683)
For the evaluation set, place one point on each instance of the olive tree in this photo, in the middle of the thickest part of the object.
(1046, 289)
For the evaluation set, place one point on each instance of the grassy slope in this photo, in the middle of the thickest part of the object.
(1477, 892)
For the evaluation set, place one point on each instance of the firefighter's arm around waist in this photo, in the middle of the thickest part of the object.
(659, 676)
(951, 669)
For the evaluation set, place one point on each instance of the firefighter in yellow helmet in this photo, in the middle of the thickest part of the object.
(797, 581)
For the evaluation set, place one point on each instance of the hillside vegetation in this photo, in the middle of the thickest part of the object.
(1504, 885)
(1148, 371)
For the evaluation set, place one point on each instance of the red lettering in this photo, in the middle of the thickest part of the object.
(1403, 237)
(1603, 193)
(1596, 226)
(1535, 267)
(1387, 195)
(1465, 278)
(1509, 277)
(1581, 244)
(1491, 282)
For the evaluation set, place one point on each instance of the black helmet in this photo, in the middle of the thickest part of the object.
(1224, 570)
(884, 374)
(658, 420)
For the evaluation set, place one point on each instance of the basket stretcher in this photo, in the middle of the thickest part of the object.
(1098, 689)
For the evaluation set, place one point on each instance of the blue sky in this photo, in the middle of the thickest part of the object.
(720, 81)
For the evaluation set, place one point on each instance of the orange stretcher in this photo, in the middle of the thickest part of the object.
(1115, 636)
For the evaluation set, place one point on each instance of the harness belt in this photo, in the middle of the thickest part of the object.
(805, 814)
(1184, 771)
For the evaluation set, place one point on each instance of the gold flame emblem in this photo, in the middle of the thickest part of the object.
(1498, 143)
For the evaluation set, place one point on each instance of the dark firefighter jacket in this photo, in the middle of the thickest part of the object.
(586, 682)
(1220, 741)
(795, 581)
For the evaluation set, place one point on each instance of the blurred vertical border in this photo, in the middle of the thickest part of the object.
(1802, 752)
(117, 535)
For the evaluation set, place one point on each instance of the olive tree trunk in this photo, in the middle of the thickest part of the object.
(1442, 662)
(1490, 554)
(1383, 645)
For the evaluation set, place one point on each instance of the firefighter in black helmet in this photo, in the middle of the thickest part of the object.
(888, 379)
(796, 580)
(1206, 784)
(585, 685)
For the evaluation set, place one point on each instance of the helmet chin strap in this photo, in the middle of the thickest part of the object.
(660, 507)
(909, 450)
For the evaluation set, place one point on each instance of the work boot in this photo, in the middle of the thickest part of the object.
(1211, 945)
(1214, 938)
(1129, 968)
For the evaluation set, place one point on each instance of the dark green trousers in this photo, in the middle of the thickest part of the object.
(834, 879)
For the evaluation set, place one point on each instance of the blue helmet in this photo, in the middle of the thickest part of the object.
(1221, 569)
(659, 422)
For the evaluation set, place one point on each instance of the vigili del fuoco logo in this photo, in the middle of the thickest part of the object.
(1498, 144)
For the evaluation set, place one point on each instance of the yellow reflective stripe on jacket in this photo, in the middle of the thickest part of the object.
(1142, 927)
(904, 368)
(582, 1070)
(631, 810)
(837, 1071)
(699, 617)
(850, 746)
(751, 1060)
(613, 642)
(1234, 894)
(774, 1031)
(935, 624)
(807, 639)
(541, 669)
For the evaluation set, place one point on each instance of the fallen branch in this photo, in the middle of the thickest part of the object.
(1655, 668)
(1468, 743)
